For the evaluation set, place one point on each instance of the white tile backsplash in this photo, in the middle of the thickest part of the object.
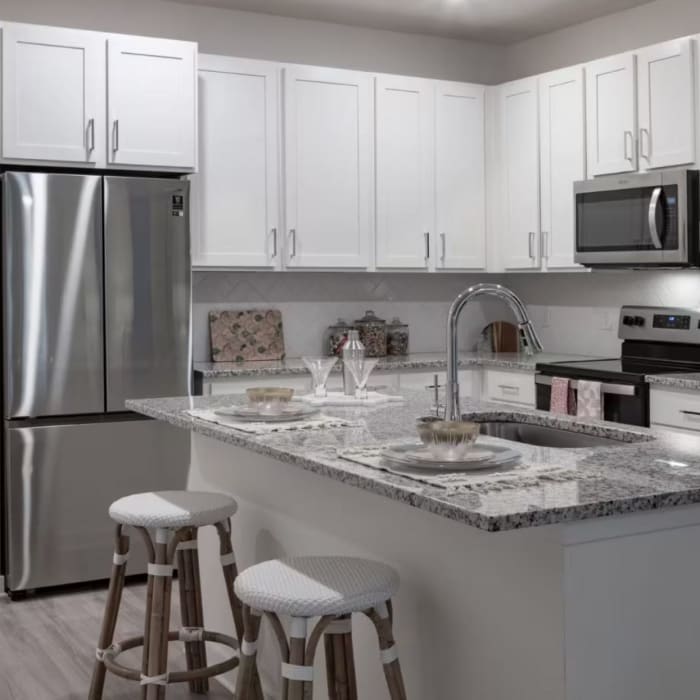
(574, 312)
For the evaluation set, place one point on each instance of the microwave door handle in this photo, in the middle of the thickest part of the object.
(653, 209)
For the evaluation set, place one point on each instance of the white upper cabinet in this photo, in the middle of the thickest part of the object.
(667, 104)
(53, 94)
(611, 115)
(562, 162)
(405, 118)
(519, 163)
(328, 167)
(236, 192)
(151, 102)
(459, 176)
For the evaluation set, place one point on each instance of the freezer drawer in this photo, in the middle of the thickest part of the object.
(60, 481)
(52, 310)
(147, 289)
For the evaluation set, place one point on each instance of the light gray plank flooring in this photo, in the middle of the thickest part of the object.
(47, 645)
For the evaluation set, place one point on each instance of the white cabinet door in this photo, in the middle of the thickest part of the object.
(151, 102)
(562, 162)
(520, 174)
(235, 192)
(460, 176)
(405, 113)
(666, 90)
(53, 94)
(328, 164)
(611, 110)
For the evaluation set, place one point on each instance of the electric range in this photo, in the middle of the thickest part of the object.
(655, 340)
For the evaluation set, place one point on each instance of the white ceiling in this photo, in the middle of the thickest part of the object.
(498, 21)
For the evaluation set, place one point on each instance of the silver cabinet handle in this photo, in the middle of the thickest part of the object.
(531, 245)
(115, 135)
(274, 242)
(653, 209)
(544, 244)
(90, 137)
(293, 237)
(509, 387)
(426, 236)
(642, 153)
(629, 138)
(696, 414)
(443, 241)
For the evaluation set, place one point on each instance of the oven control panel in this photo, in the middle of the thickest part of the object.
(675, 325)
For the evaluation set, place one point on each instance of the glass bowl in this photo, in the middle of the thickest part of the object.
(269, 400)
(448, 440)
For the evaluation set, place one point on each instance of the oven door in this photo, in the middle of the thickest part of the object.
(635, 220)
(622, 403)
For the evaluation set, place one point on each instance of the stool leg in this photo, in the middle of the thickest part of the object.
(340, 660)
(230, 570)
(248, 648)
(191, 606)
(158, 614)
(109, 621)
(297, 659)
(381, 616)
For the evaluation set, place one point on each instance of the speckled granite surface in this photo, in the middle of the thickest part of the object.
(660, 470)
(689, 381)
(221, 370)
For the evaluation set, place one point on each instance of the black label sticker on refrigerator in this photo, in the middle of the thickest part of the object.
(178, 205)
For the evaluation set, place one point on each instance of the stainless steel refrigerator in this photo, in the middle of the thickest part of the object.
(96, 309)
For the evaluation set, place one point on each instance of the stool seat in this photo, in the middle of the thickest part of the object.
(172, 509)
(316, 586)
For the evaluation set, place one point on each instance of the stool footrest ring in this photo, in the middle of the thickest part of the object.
(110, 654)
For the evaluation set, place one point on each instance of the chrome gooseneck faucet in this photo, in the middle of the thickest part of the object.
(526, 330)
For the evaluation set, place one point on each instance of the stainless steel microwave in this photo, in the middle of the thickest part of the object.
(643, 220)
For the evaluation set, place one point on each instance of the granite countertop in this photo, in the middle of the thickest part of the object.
(220, 370)
(690, 380)
(659, 470)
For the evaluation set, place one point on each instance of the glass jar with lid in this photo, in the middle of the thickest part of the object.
(372, 334)
(397, 338)
(336, 336)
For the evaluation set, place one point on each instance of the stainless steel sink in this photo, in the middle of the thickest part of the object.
(543, 436)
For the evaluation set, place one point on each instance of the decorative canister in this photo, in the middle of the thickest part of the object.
(372, 334)
(336, 336)
(397, 338)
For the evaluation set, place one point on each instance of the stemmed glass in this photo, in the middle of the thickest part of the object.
(360, 370)
(320, 368)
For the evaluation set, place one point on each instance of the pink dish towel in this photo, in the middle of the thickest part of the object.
(561, 398)
(590, 400)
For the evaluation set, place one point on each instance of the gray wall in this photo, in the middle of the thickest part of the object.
(275, 38)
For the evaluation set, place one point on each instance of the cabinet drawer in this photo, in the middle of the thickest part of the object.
(677, 409)
(509, 386)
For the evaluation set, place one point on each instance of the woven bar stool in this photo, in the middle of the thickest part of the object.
(168, 522)
(329, 588)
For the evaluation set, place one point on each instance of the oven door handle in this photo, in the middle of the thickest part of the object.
(605, 388)
(653, 209)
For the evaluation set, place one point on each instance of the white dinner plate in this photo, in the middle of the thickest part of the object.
(248, 414)
(418, 456)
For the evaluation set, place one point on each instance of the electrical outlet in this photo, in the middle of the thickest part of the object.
(604, 320)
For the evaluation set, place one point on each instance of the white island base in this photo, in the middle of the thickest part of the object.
(604, 609)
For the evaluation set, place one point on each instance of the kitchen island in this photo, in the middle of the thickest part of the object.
(573, 576)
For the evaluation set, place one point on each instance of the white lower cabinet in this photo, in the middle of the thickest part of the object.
(235, 195)
(675, 408)
(514, 387)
